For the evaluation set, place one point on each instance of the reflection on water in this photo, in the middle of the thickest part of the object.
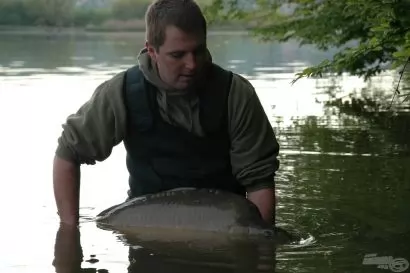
(344, 176)
(152, 256)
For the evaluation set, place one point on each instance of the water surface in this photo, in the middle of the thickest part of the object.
(344, 177)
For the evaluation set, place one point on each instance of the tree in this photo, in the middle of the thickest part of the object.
(129, 9)
(12, 12)
(135, 9)
(371, 35)
(56, 13)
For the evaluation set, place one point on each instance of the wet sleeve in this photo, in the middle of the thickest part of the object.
(90, 134)
(254, 150)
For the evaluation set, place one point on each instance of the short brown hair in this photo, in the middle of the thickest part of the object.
(183, 14)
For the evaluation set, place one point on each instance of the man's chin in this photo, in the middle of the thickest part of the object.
(184, 85)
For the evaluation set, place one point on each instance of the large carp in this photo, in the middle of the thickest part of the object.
(182, 212)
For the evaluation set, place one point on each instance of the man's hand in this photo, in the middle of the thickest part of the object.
(264, 199)
(66, 183)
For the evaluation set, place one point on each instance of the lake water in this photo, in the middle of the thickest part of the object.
(344, 180)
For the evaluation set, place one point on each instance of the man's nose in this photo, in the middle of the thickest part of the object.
(190, 61)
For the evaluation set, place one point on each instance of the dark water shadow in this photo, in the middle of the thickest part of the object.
(396, 124)
(68, 252)
(146, 255)
(235, 256)
(344, 177)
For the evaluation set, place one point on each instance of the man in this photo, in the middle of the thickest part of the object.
(184, 121)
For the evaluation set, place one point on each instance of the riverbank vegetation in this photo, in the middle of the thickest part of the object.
(118, 14)
(370, 35)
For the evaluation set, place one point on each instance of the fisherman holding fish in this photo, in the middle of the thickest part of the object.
(184, 121)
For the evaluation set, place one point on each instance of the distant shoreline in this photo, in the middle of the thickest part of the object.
(95, 30)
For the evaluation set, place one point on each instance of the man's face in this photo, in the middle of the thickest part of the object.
(181, 58)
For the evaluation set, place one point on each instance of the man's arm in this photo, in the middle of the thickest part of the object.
(66, 185)
(254, 149)
(265, 200)
(88, 136)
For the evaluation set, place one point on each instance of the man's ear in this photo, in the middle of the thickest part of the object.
(150, 51)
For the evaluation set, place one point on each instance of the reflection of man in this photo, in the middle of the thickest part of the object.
(184, 121)
(68, 254)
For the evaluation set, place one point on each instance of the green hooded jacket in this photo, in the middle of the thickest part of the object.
(90, 134)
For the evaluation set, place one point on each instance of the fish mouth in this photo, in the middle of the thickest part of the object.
(267, 233)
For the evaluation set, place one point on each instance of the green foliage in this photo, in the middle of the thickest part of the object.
(50, 12)
(13, 12)
(65, 13)
(371, 35)
(84, 17)
(36, 12)
(129, 9)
